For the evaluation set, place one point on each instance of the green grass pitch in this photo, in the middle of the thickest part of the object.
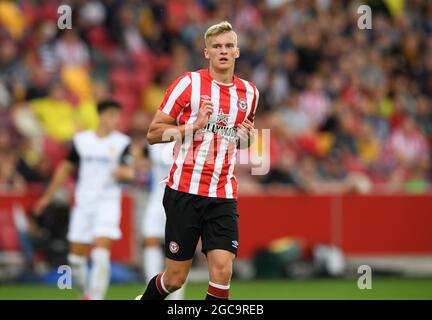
(322, 289)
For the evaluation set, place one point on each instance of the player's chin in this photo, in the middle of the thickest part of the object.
(224, 66)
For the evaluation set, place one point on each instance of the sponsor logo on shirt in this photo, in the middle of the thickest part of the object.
(219, 126)
(224, 131)
(222, 118)
(96, 159)
(112, 151)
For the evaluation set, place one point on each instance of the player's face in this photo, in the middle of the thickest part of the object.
(222, 51)
(110, 119)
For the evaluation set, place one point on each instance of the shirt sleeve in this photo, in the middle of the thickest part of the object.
(126, 156)
(177, 96)
(145, 151)
(73, 155)
(251, 115)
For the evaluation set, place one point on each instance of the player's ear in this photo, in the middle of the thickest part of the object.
(238, 52)
(206, 54)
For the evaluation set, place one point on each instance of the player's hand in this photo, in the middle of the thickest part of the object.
(203, 115)
(40, 205)
(246, 133)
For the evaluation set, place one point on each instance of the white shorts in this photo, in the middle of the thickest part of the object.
(154, 217)
(97, 220)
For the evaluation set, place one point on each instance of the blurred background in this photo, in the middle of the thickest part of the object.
(350, 113)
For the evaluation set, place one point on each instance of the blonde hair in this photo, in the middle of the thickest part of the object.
(218, 29)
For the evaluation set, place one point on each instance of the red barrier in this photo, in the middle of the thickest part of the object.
(123, 250)
(266, 218)
(360, 225)
(9, 240)
(386, 224)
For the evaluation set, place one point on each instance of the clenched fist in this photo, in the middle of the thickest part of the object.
(246, 133)
(203, 115)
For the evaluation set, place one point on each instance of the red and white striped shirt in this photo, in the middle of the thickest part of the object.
(205, 165)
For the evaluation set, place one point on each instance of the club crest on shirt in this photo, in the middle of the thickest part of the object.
(111, 150)
(242, 104)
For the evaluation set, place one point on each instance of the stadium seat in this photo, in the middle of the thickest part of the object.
(98, 37)
(143, 59)
(161, 63)
(141, 79)
(121, 79)
(127, 100)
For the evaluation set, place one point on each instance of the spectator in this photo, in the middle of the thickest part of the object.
(10, 179)
(368, 144)
(424, 116)
(70, 50)
(409, 145)
(296, 120)
(281, 175)
(55, 114)
(314, 101)
(325, 85)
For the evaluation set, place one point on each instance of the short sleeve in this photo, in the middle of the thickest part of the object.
(73, 155)
(126, 156)
(251, 115)
(177, 96)
(145, 152)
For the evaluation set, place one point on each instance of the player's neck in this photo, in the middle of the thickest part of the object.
(102, 132)
(224, 76)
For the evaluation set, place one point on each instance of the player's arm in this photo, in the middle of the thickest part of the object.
(60, 175)
(246, 130)
(163, 127)
(125, 171)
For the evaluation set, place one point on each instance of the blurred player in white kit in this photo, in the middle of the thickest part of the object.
(103, 160)
(153, 226)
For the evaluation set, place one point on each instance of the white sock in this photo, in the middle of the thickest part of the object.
(178, 294)
(99, 274)
(153, 261)
(79, 268)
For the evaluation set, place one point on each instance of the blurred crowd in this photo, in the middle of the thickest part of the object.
(349, 109)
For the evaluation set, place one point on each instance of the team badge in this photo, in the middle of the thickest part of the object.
(174, 247)
(242, 104)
